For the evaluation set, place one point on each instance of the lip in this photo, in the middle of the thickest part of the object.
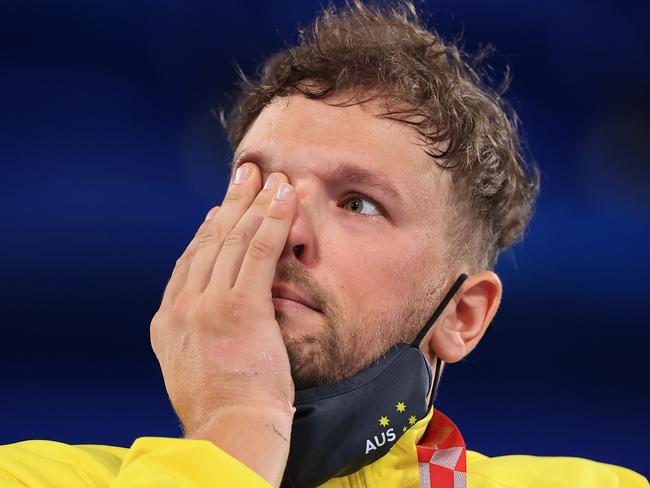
(281, 293)
(291, 306)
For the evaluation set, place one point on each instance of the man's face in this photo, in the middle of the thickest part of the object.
(367, 244)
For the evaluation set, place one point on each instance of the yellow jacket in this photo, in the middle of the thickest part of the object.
(166, 463)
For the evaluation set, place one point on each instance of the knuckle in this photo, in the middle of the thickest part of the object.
(212, 212)
(179, 307)
(183, 260)
(209, 236)
(273, 216)
(262, 201)
(260, 249)
(203, 313)
(234, 238)
(233, 196)
(154, 330)
(205, 225)
(156, 321)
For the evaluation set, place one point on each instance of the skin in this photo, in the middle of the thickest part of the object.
(373, 264)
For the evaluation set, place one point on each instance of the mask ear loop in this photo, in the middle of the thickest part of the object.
(418, 340)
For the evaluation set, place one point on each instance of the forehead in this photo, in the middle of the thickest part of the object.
(294, 132)
(317, 124)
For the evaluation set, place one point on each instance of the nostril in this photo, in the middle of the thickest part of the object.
(297, 250)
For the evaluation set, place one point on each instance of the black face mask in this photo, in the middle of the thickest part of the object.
(342, 427)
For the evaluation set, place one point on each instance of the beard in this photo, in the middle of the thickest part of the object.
(344, 346)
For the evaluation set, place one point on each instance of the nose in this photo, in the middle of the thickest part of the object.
(297, 250)
(301, 242)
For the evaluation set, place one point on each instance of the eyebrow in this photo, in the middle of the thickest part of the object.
(344, 171)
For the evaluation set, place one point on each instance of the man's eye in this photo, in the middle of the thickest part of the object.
(361, 205)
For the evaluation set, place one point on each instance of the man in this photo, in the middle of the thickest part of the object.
(303, 330)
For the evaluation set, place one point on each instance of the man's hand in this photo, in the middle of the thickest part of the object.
(215, 335)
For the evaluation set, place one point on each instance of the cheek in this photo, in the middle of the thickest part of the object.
(372, 271)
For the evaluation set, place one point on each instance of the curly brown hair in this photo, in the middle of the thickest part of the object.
(464, 124)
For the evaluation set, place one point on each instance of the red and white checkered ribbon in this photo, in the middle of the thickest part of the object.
(441, 455)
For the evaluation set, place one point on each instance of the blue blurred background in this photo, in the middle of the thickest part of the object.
(110, 158)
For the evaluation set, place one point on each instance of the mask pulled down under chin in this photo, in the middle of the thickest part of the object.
(340, 428)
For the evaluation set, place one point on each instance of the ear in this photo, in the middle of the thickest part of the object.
(466, 318)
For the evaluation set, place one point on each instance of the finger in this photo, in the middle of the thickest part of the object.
(213, 211)
(258, 267)
(179, 273)
(228, 263)
(241, 193)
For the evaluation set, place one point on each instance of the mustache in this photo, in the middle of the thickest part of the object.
(294, 274)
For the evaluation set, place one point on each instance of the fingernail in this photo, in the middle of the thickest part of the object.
(284, 191)
(271, 180)
(241, 174)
